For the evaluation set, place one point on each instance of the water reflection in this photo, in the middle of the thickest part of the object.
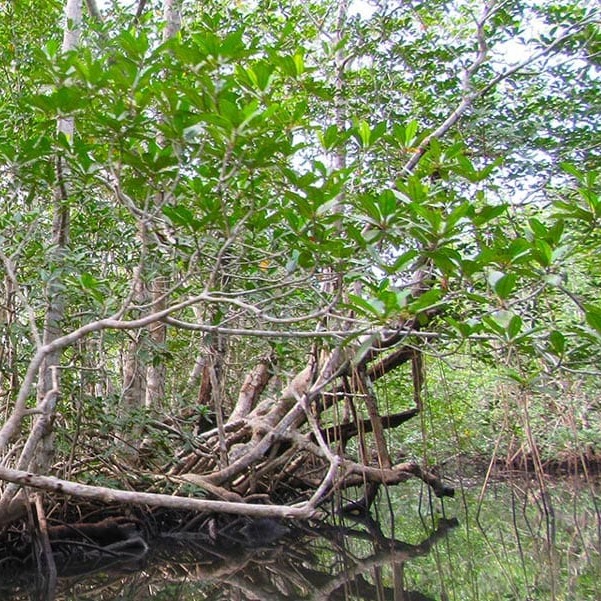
(260, 559)
(509, 541)
(519, 539)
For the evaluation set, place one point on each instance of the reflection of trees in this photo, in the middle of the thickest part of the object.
(351, 582)
(236, 560)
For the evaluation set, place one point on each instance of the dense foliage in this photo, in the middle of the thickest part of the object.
(281, 182)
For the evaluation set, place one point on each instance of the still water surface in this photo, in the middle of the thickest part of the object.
(506, 540)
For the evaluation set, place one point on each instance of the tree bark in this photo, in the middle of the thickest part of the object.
(110, 495)
(155, 371)
(55, 296)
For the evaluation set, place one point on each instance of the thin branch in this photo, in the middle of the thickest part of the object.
(470, 95)
(140, 11)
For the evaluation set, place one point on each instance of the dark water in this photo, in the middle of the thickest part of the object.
(507, 540)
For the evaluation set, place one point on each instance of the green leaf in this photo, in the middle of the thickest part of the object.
(261, 75)
(52, 48)
(558, 342)
(403, 260)
(537, 227)
(593, 317)
(555, 232)
(505, 285)
(232, 45)
(427, 300)
(463, 328)
(488, 213)
(514, 327)
(572, 170)
(500, 321)
(387, 203)
(543, 253)
(299, 63)
(88, 281)
(457, 214)
(329, 138)
(448, 260)
(378, 131)
(181, 215)
(364, 133)
(373, 306)
(410, 132)
(414, 189)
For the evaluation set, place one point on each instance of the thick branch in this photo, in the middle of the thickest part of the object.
(359, 474)
(252, 387)
(109, 495)
(390, 362)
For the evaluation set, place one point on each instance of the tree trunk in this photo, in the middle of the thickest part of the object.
(55, 296)
(156, 372)
(134, 380)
